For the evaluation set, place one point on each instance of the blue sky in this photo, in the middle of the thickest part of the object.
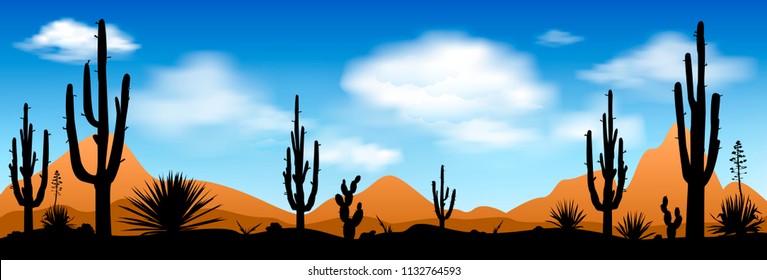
(500, 93)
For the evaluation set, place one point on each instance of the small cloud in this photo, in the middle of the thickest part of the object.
(69, 41)
(661, 60)
(352, 153)
(558, 38)
(451, 83)
(204, 99)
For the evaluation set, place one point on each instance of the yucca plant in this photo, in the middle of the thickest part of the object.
(567, 215)
(738, 217)
(634, 227)
(247, 231)
(57, 218)
(170, 206)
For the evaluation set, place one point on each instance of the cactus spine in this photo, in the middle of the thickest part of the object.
(350, 224)
(610, 198)
(28, 159)
(296, 199)
(696, 168)
(106, 171)
(439, 199)
(671, 227)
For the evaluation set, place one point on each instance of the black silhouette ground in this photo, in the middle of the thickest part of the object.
(425, 242)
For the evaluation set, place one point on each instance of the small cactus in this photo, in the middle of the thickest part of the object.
(440, 198)
(671, 227)
(350, 224)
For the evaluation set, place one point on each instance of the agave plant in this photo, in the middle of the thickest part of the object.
(738, 217)
(634, 227)
(567, 215)
(170, 206)
(57, 217)
(247, 231)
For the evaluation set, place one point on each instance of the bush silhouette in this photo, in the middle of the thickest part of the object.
(170, 206)
(567, 216)
(634, 227)
(57, 218)
(738, 216)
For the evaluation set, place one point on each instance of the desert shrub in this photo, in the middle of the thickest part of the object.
(247, 231)
(567, 215)
(57, 218)
(634, 227)
(170, 206)
(738, 216)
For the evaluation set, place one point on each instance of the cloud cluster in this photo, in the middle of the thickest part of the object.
(558, 38)
(352, 153)
(69, 41)
(661, 60)
(203, 91)
(467, 90)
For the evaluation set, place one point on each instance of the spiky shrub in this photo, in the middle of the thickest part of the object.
(57, 218)
(738, 216)
(170, 206)
(247, 231)
(495, 229)
(634, 227)
(567, 216)
(383, 226)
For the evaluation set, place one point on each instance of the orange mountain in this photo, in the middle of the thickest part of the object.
(80, 196)
(657, 174)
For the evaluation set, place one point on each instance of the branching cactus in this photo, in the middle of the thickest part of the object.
(440, 198)
(696, 168)
(107, 162)
(671, 227)
(24, 193)
(611, 198)
(350, 224)
(296, 199)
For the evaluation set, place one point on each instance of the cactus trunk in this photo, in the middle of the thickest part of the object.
(611, 198)
(440, 198)
(23, 194)
(296, 199)
(106, 170)
(696, 168)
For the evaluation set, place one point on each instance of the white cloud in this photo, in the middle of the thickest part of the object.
(67, 40)
(661, 60)
(558, 38)
(203, 93)
(454, 85)
(353, 153)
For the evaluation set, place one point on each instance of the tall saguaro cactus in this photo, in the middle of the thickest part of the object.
(611, 198)
(27, 169)
(350, 224)
(696, 168)
(439, 199)
(106, 171)
(296, 199)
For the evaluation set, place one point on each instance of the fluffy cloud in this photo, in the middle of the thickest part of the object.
(660, 60)
(465, 89)
(203, 93)
(558, 38)
(352, 153)
(67, 40)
